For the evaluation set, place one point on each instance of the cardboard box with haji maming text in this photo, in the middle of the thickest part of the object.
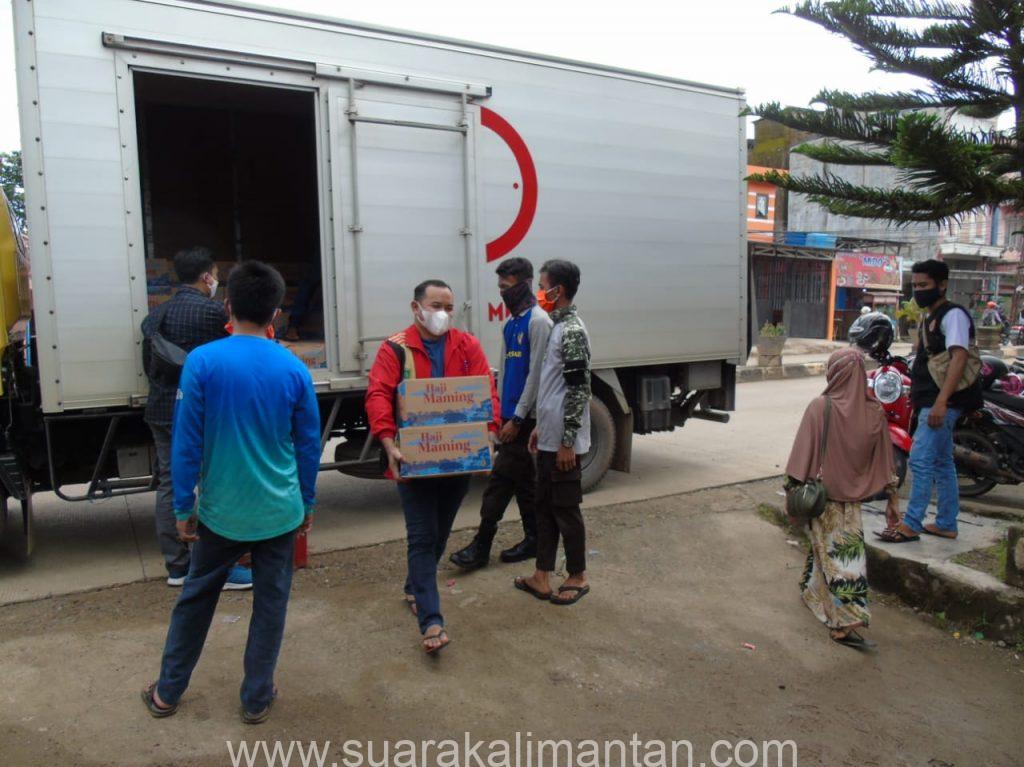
(445, 450)
(438, 401)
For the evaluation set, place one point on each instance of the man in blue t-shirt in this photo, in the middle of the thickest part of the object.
(525, 337)
(247, 433)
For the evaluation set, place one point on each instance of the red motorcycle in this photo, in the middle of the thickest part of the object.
(889, 383)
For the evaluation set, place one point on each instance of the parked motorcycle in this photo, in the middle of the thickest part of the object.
(989, 443)
(889, 383)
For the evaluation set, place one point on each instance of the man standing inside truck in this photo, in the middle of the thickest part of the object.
(247, 433)
(190, 319)
(429, 348)
(562, 435)
(524, 339)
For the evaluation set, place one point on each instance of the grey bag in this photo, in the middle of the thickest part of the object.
(807, 500)
(163, 360)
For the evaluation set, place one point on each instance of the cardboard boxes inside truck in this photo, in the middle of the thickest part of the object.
(161, 284)
(444, 426)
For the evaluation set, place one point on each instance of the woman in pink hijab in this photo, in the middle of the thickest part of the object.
(858, 464)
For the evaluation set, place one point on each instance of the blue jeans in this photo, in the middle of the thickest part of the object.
(212, 558)
(931, 461)
(430, 506)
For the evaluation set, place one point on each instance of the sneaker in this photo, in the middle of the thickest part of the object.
(176, 578)
(239, 579)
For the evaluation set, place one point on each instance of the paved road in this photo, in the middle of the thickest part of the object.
(86, 546)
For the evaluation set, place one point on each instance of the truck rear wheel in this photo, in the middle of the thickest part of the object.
(595, 463)
(18, 529)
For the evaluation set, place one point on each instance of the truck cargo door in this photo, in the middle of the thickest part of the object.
(402, 162)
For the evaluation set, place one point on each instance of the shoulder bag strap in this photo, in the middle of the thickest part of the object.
(824, 436)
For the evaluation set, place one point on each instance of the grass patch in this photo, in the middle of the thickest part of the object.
(991, 560)
(772, 514)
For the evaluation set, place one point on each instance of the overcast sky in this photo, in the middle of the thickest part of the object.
(725, 42)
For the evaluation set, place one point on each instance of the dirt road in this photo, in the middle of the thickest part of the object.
(680, 584)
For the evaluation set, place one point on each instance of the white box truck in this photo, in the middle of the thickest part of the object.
(358, 160)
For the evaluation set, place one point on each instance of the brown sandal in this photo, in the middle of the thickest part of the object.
(156, 711)
(938, 532)
(440, 635)
(890, 535)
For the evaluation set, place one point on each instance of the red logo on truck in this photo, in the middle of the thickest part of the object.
(502, 245)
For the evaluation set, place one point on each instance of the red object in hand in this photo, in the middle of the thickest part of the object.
(301, 558)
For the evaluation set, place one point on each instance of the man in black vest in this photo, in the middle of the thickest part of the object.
(946, 327)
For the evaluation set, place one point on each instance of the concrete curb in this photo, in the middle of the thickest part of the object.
(964, 595)
(798, 370)
(754, 373)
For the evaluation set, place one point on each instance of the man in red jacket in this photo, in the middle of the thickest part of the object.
(429, 348)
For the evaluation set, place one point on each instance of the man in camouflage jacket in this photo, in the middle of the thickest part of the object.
(561, 436)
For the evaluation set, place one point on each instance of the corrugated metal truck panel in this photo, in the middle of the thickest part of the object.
(639, 181)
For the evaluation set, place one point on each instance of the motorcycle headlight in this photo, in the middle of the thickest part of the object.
(888, 387)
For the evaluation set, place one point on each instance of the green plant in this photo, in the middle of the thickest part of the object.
(11, 182)
(773, 330)
(910, 312)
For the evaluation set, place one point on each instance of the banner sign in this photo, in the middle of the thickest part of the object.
(868, 270)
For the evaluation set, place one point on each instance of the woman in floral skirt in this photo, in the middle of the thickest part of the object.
(858, 464)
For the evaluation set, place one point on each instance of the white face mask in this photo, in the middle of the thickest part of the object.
(436, 322)
(213, 287)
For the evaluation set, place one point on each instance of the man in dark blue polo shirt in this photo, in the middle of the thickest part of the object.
(525, 337)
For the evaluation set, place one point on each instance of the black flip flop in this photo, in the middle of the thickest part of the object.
(262, 716)
(521, 584)
(438, 635)
(581, 591)
(157, 712)
(895, 536)
(854, 640)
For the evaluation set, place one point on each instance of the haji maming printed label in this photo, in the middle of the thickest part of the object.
(438, 401)
(439, 451)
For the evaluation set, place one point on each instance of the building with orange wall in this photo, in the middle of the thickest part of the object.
(761, 198)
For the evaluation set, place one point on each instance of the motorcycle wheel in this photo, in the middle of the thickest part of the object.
(901, 459)
(971, 485)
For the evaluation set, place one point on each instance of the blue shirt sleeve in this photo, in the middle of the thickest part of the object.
(306, 436)
(187, 437)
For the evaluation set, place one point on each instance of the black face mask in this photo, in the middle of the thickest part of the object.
(926, 298)
(518, 296)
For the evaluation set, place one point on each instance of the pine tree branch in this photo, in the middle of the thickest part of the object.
(834, 153)
(878, 128)
(903, 100)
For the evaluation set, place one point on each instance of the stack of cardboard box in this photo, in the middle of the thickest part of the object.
(443, 426)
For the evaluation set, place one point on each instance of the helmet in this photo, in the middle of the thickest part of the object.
(992, 304)
(992, 369)
(872, 333)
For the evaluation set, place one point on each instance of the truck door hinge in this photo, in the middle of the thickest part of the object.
(466, 231)
(355, 228)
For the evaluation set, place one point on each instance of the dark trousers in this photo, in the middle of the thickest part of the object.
(559, 494)
(212, 558)
(514, 474)
(430, 506)
(175, 552)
